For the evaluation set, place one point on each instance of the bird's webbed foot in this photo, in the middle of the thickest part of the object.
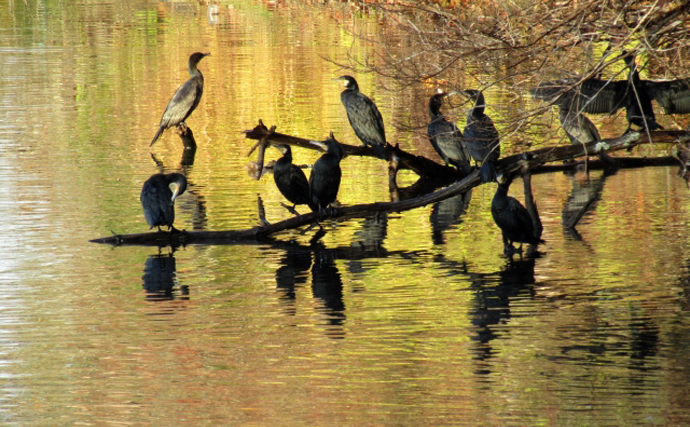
(509, 250)
(182, 128)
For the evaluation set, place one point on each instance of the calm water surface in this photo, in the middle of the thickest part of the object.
(408, 319)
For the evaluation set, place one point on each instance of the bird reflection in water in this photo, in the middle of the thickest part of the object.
(160, 279)
(369, 238)
(644, 341)
(447, 213)
(583, 199)
(327, 285)
(492, 304)
(295, 264)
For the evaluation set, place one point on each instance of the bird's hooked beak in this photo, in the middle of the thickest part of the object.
(176, 193)
(343, 82)
(180, 188)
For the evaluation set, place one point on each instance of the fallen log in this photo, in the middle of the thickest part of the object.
(420, 165)
(524, 162)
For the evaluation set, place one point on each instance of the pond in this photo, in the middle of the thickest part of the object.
(413, 318)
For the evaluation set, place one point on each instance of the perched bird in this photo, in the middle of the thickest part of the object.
(512, 218)
(481, 137)
(363, 116)
(158, 200)
(581, 130)
(638, 108)
(324, 180)
(290, 179)
(185, 99)
(593, 96)
(445, 137)
(597, 96)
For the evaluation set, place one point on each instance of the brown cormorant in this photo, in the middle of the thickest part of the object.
(158, 200)
(185, 100)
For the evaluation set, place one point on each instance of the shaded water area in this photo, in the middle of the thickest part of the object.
(412, 319)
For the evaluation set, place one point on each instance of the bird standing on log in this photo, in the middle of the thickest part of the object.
(581, 130)
(638, 109)
(290, 179)
(363, 116)
(324, 180)
(185, 100)
(158, 200)
(481, 137)
(445, 136)
(512, 218)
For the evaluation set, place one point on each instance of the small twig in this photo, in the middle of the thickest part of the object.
(263, 143)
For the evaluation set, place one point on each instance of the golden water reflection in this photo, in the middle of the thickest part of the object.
(411, 318)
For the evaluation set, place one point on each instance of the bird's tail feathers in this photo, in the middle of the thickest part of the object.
(487, 172)
(158, 135)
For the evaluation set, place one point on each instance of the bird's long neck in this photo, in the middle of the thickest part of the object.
(353, 87)
(288, 156)
(193, 71)
(634, 75)
(435, 109)
(478, 109)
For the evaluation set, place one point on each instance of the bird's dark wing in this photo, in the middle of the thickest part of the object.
(299, 183)
(155, 199)
(594, 96)
(672, 95)
(578, 128)
(183, 102)
(364, 118)
(447, 141)
(481, 138)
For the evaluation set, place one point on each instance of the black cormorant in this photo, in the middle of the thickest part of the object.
(597, 96)
(158, 200)
(581, 130)
(593, 96)
(290, 179)
(638, 109)
(481, 137)
(185, 99)
(363, 116)
(324, 180)
(512, 218)
(446, 138)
